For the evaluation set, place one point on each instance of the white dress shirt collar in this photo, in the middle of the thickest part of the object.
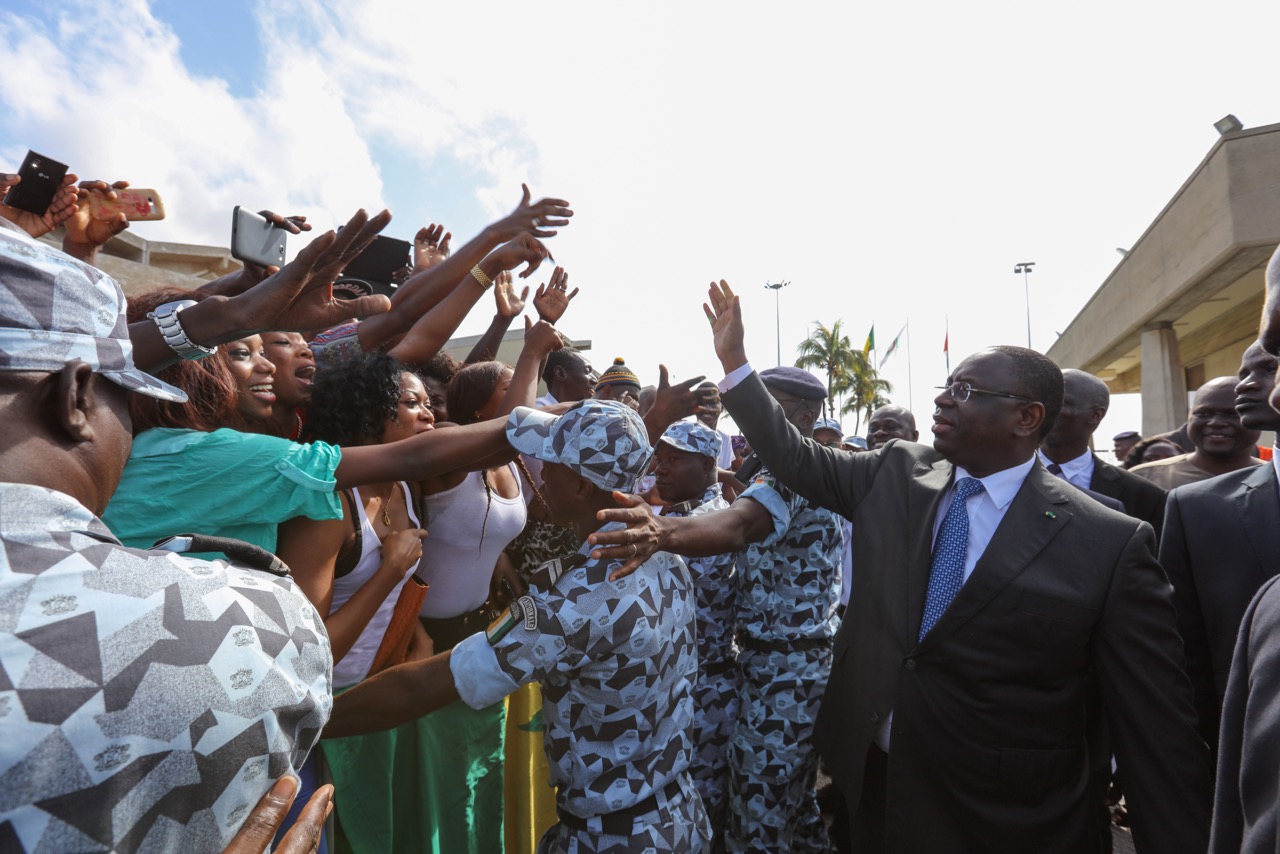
(1079, 472)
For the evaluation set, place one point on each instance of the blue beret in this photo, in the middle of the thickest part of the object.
(797, 381)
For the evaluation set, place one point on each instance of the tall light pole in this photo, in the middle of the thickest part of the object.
(1025, 269)
(777, 311)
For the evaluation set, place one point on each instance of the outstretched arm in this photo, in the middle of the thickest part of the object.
(429, 454)
(395, 696)
(827, 477)
(729, 530)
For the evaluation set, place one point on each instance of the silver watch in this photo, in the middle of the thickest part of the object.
(166, 318)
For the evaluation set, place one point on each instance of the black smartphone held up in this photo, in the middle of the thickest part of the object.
(254, 240)
(378, 263)
(41, 178)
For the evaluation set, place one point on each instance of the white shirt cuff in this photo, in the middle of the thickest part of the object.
(476, 674)
(734, 377)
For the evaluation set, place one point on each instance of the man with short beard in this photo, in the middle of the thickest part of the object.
(1221, 543)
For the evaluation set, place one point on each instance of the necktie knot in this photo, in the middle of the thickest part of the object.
(1055, 470)
(967, 487)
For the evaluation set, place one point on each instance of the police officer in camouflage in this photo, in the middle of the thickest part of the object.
(788, 589)
(616, 658)
(685, 466)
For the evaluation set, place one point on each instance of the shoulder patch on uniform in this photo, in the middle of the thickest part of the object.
(523, 610)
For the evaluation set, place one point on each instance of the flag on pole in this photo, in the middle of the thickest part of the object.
(871, 341)
(946, 347)
(893, 346)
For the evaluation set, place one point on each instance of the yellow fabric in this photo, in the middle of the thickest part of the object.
(530, 797)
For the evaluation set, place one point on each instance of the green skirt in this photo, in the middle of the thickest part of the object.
(434, 785)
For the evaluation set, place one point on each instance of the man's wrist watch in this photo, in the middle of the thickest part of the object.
(166, 320)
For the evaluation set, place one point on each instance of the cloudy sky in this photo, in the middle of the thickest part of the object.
(892, 161)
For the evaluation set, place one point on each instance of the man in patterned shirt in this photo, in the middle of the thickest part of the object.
(685, 460)
(616, 658)
(147, 700)
(788, 590)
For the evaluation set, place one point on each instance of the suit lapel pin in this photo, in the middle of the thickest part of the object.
(1049, 514)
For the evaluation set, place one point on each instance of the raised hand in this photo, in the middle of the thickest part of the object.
(541, 337)
(632, 544)
(724, 311)
(540, 219)
(522, 249)
(553, 298)
(504, 294)
(293, 224)
(430, 247)
(86, 230)
(299, 297)
(38, 225)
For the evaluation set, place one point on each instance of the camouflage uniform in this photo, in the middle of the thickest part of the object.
(788, 590)
(617, 662)
(717, 687)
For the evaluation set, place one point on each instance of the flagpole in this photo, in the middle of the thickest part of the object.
(911, 395)
(946, 345)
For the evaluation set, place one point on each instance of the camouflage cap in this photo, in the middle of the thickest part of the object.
(54, 309)
(827, 424)
(602, 440)
(693, 437)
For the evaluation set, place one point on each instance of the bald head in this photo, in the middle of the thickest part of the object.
(1086, 390)
(1215, 428)
(891, 422)
(1269, 329)
(1085, 399)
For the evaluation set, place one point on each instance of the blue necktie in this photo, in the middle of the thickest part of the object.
(947, 575)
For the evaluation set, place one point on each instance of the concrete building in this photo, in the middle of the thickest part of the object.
(141, 265)
(1184, 303)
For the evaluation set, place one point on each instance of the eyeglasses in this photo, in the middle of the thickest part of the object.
(961, 391)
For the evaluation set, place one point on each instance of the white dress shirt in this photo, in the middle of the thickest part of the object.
(1077, 472)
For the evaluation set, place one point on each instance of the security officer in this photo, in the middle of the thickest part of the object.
(685, 461)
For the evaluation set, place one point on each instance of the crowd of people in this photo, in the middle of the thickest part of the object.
(276, 568)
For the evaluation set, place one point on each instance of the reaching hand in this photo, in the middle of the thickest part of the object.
(672, 402)
(725, 313)
(299, 297)
(553, 298)
(38, 225)
(259, 829)
(632, 544)
(504, 294)
(539, 219)
(430, 247)
(541, 337)
(83, 227)
(523, 249)
(293, 224)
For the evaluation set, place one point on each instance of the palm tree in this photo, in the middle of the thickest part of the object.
(829, 350)
(866, 393)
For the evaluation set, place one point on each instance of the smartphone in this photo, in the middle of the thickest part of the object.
(41, 178)
(256, 241)
(137, 205)
(378, 263)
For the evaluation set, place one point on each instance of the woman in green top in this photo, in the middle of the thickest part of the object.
(194, 467)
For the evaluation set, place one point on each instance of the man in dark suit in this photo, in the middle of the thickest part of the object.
(1221, 542)
(960, 725)
(1246, 811)
(1084, 404)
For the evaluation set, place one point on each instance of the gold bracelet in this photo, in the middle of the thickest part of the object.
(479, 276)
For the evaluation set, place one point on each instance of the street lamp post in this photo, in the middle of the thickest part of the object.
(1025, 269)
(777, 312)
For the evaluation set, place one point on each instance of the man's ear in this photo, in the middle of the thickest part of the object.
(1030, 417)
(585, 489)
(805, 418)
(76, 399)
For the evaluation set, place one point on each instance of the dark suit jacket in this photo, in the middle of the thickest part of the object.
(1221, 543)
(989, 748)
(1246, 810)
(1141, 498)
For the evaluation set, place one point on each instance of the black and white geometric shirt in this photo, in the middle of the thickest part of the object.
(147, 700)
(616, 660)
